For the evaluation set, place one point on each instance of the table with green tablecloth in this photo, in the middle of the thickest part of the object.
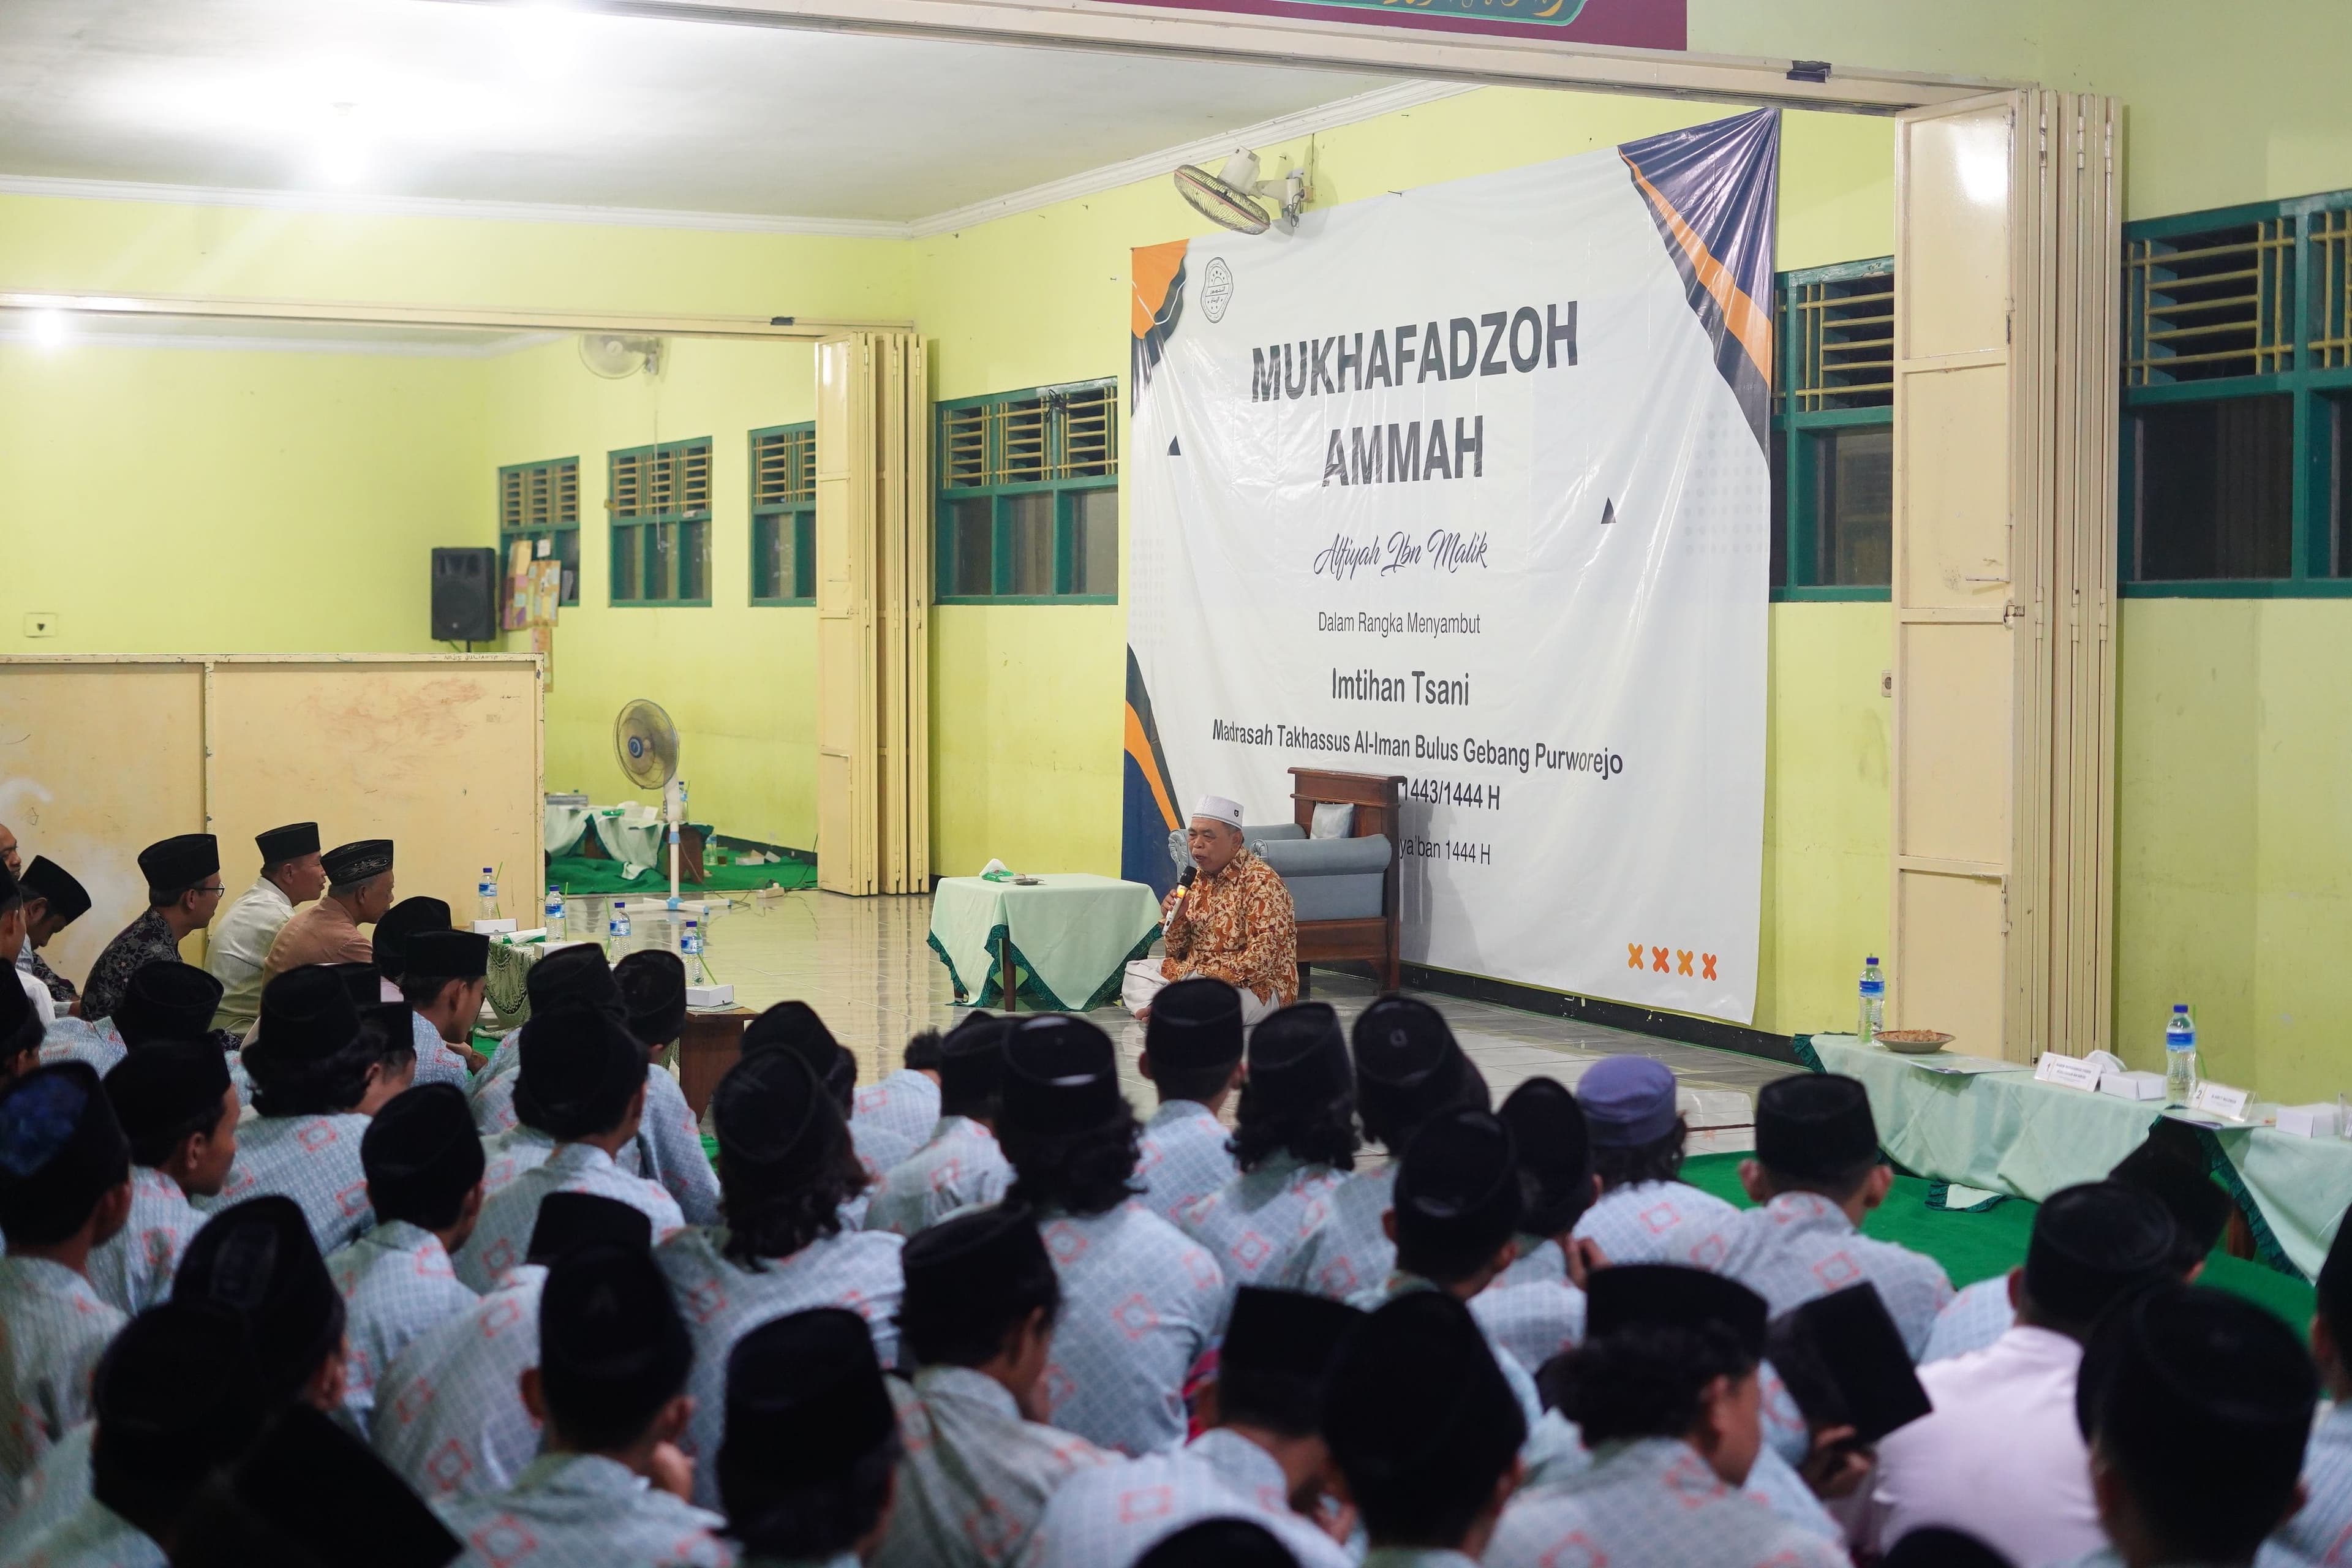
(1065, 941)
(2005, 1132)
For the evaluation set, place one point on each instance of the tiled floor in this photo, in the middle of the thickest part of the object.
(864, 965)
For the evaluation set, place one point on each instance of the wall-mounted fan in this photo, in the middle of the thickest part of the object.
(1234, 197)
(617, 358)
(648, 743)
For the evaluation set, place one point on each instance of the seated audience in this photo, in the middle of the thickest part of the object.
(668, 1151)
(167, 1000)
(1294, 1141)
(1234, 923)
(320, 1070)
(785, 1170)
(306, 1495)
(1140, 1301)
(582, 1092)
(53, 900)
(576, 972)
(1645, 1214)
(960, 1164)
(359, 893)
(449, 1415)
(907, 1101)
(1192, 1056)
(609, 1485)
(237, 947)
(1263, 1456)
(2324, 1523)
(184, 889)
(976, 1328)
(2003, 1423)
(795, 1026)
(1408, 1071)
(812, 1447)
(176, 1107)
(424, 1167)
(1535, 1309)
(444, 992)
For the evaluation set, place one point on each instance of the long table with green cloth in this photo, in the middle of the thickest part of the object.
(2005, 1132)
(1068, 938)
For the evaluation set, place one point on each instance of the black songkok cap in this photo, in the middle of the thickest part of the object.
(971, 1062)
(1408, 1067)
(1278, 1351)
(2091, 1245)
(2204, 1400)
(804, 1403)
(61, 1150)
(795, 1026)
(161, 1088)
(258, 1258)
(363, 982)
(2173, 1172)
(307, 1015)
(1061, 1078)
(167, 1000)
(1299, 1056)
(1555, 1151)
(611, 1348)
(1224, 1543)
(579, 1065)
(1846, 1365)
(290, 842)
(1672, 1296)
(444, 954)
(1457, 1195)
(575, 973)
(1195, 1023)
(955, 1266)
(776, 1126)
(570, 1220)
(179, 863)
(308, 1491)
(45, 878)
(422, 1156)
(1416, 1407)
(922, 1052)
(357, 861)
(652, 983)
(401, 925)
(1814, 1125)
(174, 1398)
(1936, 1547)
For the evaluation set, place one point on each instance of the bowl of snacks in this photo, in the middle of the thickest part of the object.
(1914, 1042)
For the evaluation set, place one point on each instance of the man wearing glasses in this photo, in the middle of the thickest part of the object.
(184, 889)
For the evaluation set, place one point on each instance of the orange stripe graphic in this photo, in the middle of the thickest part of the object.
(1139, 748)
(1155, 267)
(1751, 324)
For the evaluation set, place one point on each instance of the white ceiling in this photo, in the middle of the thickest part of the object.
(538, 104)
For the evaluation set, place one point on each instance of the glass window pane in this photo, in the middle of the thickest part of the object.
(1854, 470)
(1778, 445)
(766, 562)
(1094, 541)
(2214, 489)
(2339, 485)
(804, 554)
(971, 524)
(625, 562)
(1033, 543)
(567, 550)
(693, 566)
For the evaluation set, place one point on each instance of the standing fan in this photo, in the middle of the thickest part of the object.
(648, 743)
(1229, 197)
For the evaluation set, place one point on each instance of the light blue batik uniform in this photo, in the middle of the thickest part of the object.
(1651, 1501)
(583, 1510)
(667, 1149)
(974, 1476)
(503, 1235)
(436, 1061)
(1140, 1301)
(94, 1536)
(1660, 1222)
(2321, 1529)
(907, 1103)
(449, 1417)
(1255, 1224)
(962, 1167)
(133, 1270)
(397, 1284)
(315, 1161)
(1531, 1323)
(722, 1300)
(1182, 1158)
(1801, 1245)
(1971, 1321)
(1350, 1251)
(56, 1328)
(1108, 1518)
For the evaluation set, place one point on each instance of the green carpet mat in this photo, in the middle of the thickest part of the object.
(579, 874)
(1973, 1247)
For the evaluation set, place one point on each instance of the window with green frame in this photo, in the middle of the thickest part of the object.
(1834, 432)
(783, 515)
(2237, 392)
(540, 503)
(659, 498)
(1028, 497)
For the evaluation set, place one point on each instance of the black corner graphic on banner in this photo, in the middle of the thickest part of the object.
(1172, 448)
(1608, 512)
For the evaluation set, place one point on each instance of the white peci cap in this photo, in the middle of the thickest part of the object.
(1217, 808)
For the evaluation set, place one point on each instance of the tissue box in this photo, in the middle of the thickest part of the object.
(2132, 1085)
(493, 927)
(709, 995)
(2319, 1121)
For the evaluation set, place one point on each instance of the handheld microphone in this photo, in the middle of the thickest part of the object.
(1184, 886)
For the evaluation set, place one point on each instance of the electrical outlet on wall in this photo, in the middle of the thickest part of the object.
(1886, 683)
(40, 623)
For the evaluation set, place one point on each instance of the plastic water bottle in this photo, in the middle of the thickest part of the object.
(1874, 1003)
(555, 930)
(2179, 1055)
(487, 892)
(617, 932)
(689, 947)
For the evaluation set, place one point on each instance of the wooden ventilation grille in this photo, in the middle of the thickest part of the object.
(1022, 455)
(1844, 342)
(539, 496)
(2199, 307)
(1089, 432)
(963, 447)
(2331, 274)
(1031, 437)
(662, 481)
(784, 468)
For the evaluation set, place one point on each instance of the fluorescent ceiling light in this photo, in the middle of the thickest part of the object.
(50, 328)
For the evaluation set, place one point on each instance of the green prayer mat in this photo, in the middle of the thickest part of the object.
(579, 874)
(1973, 1247)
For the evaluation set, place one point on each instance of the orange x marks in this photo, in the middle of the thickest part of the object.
(1633, 955)
(1658, 959)
(1707, 961)
(1682, 961)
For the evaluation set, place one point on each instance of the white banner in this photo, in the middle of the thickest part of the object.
(1468, 484)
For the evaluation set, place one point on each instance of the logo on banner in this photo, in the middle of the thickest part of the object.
(1216, 289)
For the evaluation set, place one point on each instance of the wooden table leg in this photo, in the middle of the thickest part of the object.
(1005, 967)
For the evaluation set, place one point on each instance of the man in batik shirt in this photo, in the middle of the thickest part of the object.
(1232, 923)
(184, 889)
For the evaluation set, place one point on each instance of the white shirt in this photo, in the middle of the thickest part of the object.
(1999, 1457)
(45, 1006)
(237, 947)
